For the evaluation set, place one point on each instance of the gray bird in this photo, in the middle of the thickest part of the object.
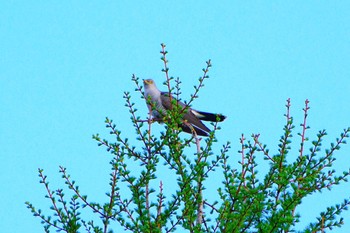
(192, 118)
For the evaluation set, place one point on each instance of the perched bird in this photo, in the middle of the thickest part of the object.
(159, 102)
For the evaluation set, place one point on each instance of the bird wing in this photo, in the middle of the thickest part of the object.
(189, 116)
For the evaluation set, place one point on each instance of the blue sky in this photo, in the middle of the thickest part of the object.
(65, 65)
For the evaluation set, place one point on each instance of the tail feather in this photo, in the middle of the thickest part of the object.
(206, 116)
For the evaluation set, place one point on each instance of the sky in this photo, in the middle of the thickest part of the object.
(65, 65)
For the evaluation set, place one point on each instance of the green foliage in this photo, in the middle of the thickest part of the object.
(243, 202)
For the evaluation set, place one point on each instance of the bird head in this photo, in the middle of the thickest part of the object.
(148, 82)
(151, 88)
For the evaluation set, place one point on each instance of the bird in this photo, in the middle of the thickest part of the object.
(159, 102)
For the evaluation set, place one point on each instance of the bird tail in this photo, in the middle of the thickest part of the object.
(206, 116)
